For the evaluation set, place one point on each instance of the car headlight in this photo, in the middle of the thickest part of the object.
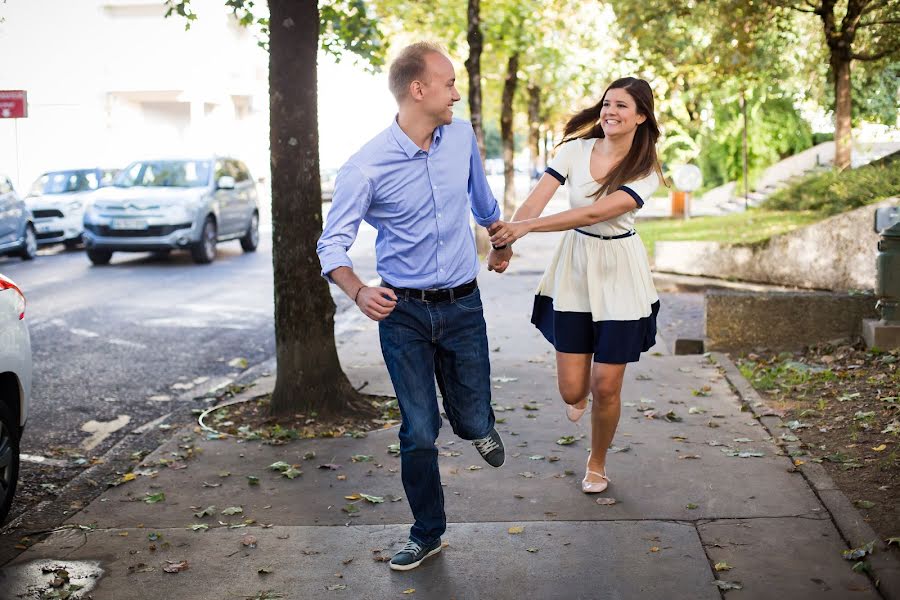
(75, 205)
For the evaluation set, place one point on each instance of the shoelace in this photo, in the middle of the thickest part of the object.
(412, 547)
(486, 445)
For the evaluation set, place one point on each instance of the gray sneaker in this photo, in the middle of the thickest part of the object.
(491, 449)
(412, 555)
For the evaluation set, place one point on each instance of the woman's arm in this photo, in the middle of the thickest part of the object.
(537, 200)
(609, 207)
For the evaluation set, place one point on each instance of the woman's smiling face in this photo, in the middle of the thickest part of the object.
(618, 114)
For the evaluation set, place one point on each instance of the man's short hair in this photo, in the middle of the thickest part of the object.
(409, 66)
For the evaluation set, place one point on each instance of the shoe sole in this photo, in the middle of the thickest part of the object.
(415, 564)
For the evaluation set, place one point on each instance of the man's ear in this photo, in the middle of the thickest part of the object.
(415, 90)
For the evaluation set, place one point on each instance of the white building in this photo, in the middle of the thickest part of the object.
(111, 81)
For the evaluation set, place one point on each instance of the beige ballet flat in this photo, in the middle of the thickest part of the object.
(575, 413)
(594, 487)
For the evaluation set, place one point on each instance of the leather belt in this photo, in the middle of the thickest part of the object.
(435, 295)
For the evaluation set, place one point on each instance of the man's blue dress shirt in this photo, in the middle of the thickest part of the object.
(418, 202)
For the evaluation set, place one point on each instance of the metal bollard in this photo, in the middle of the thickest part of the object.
(887, 263)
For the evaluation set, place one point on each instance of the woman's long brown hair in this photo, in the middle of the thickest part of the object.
(641, 157)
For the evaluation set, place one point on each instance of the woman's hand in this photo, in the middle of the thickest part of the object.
(507, 233)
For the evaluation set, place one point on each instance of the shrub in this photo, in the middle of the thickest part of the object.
(834, 192)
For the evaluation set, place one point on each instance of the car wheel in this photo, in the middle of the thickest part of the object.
(250, 241)
(204, 251)
(29, 250)
(9, 459)
(99, 257)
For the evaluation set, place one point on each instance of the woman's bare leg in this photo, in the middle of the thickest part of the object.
(606, 391)
(573, 374)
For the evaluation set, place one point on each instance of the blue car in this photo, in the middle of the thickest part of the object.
(17, 234)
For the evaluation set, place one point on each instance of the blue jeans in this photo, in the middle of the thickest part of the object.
(421, 342)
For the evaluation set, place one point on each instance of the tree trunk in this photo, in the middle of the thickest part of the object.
(309, 375)
(473, 68)
(534, 127)
(840, 68)
(506, 135)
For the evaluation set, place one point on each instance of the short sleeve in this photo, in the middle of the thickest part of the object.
(560, 165)
(642, 189)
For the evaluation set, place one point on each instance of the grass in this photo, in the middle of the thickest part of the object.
(737, 228)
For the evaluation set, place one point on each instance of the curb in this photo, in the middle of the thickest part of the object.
(854, 530)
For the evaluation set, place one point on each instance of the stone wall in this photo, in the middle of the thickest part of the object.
(835, 254)
(739, 321)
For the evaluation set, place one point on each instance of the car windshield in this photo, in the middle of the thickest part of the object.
(65, 182)
(166, 173)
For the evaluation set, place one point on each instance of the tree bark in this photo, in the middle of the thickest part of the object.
(473, 68)
(534, 126)
(309, 376)
(507, 136)
(843, 140)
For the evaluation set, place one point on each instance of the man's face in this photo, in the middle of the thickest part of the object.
(439, 88)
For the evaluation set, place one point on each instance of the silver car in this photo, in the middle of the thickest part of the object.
(17, 235)
(170, 204)
(57, 200)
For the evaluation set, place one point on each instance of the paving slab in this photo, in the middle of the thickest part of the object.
(794, 558)
(566, 560)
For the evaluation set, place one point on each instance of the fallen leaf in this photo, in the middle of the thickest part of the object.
(233, 510)
(527, 474)
(516, 530)
(249, 541)
(654, 548)
(394, 449)
(341, 477)
(671, 417)
(279, 466)
(857, 553)
(175, 567)
(337, 586)
(474, 468)
(566, 440)
(353, 497)
(330, 466)
(252, 480)
(864, 504)
(880, 448)
(691, 506)
(154, 498)
(372, 499)
(532, 550)
(350, 509)
(696, 410)
(606, 501)
(265, 570)
(199, 527)
(206, 512)
(409, 591)
(728, 585)
(722, 566)
(128, 477)
(291, 473)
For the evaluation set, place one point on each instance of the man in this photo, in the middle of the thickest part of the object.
(414, 183)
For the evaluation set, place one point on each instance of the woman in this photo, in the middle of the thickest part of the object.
(597, 299)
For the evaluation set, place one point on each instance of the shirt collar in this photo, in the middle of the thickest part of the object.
(410, 147)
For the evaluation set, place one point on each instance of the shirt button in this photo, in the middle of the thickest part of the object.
(442, 242)
(439, 215)
(434, 187)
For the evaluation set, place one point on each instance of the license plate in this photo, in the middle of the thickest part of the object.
(130, 224)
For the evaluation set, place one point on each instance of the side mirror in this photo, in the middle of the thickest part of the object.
(225, 182)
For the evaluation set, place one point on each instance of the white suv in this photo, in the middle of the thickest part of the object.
(57, 200)
(15, 387)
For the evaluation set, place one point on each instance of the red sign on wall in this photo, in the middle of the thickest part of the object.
(13, 104)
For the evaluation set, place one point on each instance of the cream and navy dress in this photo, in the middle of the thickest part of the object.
(597, 295)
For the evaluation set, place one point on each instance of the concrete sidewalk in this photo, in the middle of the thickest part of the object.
(685, 499)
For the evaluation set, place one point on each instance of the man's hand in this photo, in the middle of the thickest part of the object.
(498, 260)
(376, 302)
(507, 233)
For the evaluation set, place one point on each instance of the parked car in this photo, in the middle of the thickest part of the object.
(17, 234)
(328, 177)
(15, 387)
(57, 200)
(170, 204)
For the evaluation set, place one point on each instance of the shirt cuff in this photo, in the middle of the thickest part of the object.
(332, 258)
(490, 220)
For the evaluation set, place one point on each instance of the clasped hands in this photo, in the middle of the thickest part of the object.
(503, 234)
